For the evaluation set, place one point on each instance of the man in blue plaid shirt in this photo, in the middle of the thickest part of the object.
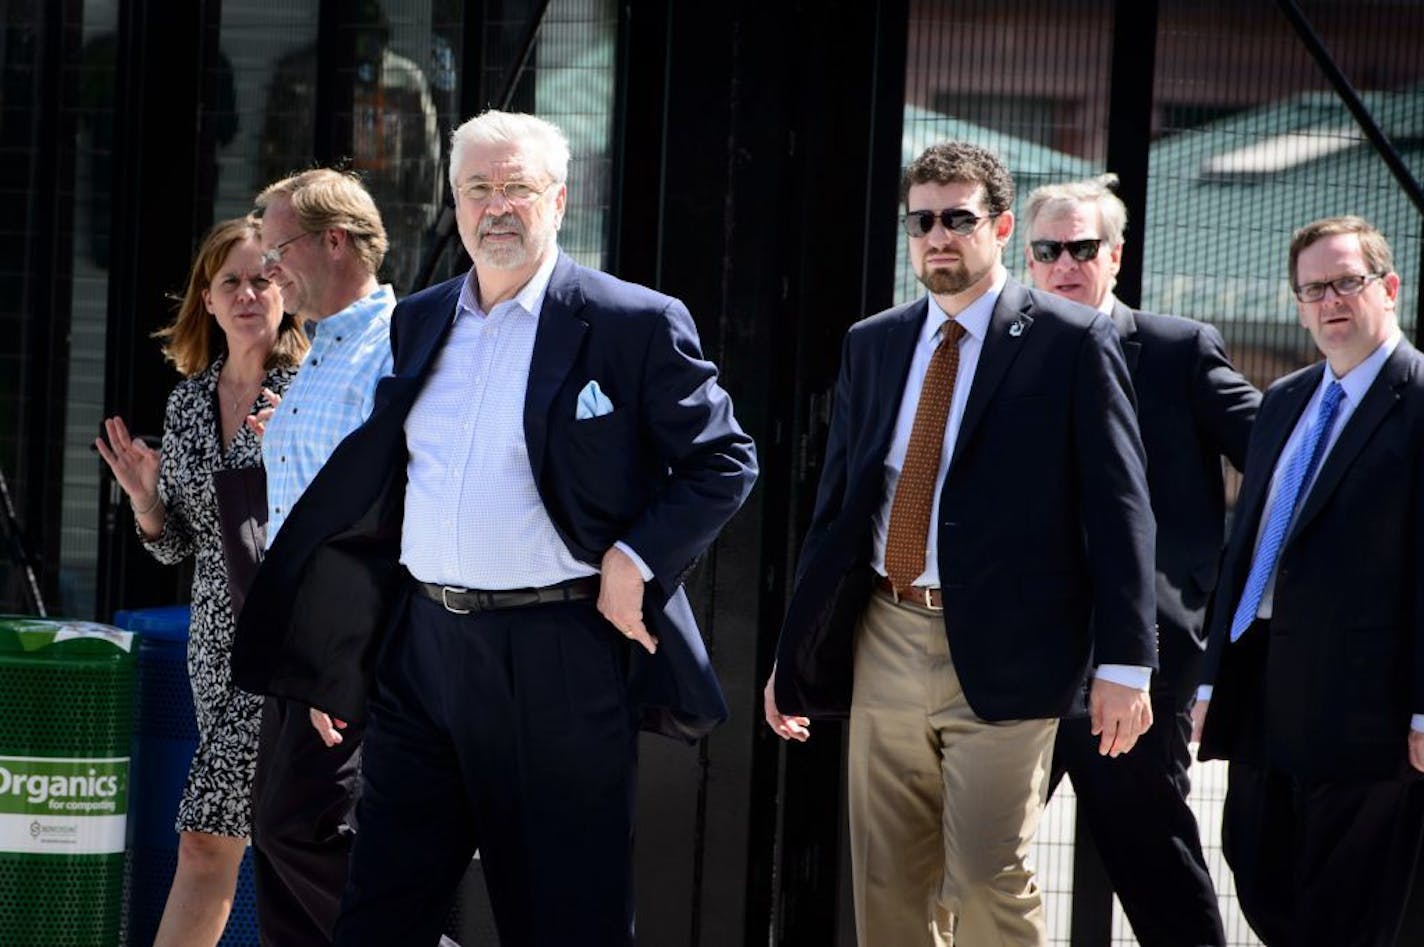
(323, 243)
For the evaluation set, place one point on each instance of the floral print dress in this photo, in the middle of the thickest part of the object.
(217, 797)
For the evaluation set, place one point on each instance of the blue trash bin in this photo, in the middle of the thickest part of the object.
(165, 736)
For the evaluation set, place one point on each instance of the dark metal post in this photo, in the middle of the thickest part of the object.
(1134, 53)
(161, 52)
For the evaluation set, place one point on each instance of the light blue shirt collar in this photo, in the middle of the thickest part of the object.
(530, 297)
(1357, 380)
(351, 320)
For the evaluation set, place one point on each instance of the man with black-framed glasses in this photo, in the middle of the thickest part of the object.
(1193, 408)
(979, 564)
(1314, 678)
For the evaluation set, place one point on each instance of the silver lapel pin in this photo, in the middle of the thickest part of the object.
(1017, 328)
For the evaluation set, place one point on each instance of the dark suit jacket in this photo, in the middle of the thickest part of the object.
(1193, 408)
(1331, 694)
(1045, 532)
(663, 472)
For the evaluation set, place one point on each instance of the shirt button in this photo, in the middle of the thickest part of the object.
(279, 509)
(316, 362)
(284, 458)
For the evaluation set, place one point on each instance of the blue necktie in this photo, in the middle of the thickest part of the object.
(1298, 472)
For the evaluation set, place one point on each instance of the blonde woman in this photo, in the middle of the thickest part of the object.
(230, 340)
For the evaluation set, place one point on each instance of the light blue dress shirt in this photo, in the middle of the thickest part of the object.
(473, 515)
(333, 393)
(1356, 383)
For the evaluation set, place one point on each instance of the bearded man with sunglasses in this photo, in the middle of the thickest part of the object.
(1315, 664)
(1194, 408)
(979, 564)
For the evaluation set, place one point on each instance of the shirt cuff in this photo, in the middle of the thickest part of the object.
(643, 569)
(1203, 693)
(1416, 723)
(1128, 675)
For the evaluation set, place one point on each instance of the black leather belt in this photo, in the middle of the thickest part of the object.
(465, 601)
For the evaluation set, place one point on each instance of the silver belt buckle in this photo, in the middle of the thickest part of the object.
(927, 593)
(445, 591)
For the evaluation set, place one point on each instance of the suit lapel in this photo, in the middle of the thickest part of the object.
(556, 344)
(1009, 325)
(897, 353)
(430, 331)
(1380, 398)
(1126, 324)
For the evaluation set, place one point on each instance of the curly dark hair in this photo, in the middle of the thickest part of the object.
(958, 162)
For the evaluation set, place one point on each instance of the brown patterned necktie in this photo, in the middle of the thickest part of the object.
(909, 529)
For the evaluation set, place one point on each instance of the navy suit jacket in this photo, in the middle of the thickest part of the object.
(1045, 532)
(1331, 693)
(1193, 408)
(663, 472)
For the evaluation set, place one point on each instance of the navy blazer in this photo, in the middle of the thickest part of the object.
(1332, 693)
(1193, 408)
(1045, 532)
(663, 472)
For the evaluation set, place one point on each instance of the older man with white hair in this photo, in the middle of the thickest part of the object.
(496, 559)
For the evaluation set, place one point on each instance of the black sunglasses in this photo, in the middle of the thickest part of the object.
(1048, 251)
(919, 223)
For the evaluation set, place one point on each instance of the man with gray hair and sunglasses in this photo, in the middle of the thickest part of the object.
(1193, 409)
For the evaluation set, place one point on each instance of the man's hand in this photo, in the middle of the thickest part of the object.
(1416, 750)
(620, 597)
(1199, 720)
(1120, 715)
(258, 422)
(788, 728)
(326, 727)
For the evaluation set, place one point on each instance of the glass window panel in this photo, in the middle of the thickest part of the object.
(92, 225)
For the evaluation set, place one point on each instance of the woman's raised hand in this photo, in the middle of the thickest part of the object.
(134, 463)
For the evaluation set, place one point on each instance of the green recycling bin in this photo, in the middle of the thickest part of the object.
(66, 705)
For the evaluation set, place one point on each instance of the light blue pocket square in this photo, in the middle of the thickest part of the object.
(592, 403)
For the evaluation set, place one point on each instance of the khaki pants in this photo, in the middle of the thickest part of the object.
(942, 804)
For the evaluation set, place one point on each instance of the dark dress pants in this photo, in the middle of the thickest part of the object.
(510, 732)
(1136, 807)
(1323, 863)
(303, 800)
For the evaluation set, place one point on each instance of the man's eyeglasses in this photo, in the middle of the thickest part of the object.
(515, 192)
(273, 256)
(1048, 251)
(1351, 285)
(919, 223)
